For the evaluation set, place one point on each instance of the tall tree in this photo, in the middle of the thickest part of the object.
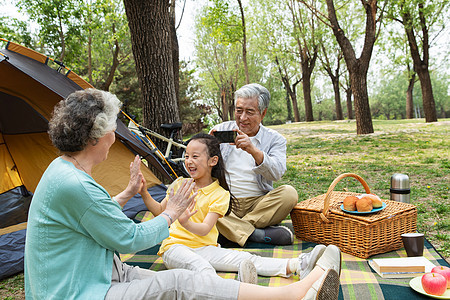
(305, 32)
(244, 42)
(192, 112)
(175, 51)
(291, 91)
(224, 20)
(218, 54)
(150, 29)
(356, 66)
(409, 93)
(270, 22)
(330, 58)
(417, 16)
(348, 97)
(394, 47)
(108, 41)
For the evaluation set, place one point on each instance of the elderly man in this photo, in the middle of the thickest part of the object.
(253, 162)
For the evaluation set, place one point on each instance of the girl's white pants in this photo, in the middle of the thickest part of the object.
(212, 259)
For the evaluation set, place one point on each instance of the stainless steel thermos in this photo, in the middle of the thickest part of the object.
(400, 190)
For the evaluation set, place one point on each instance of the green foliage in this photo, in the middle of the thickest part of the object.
(389, 102)
(107, 25)
(76, 31)
(219, 65)
(16, 30)
(59, 24)
(224, 21)
(192, 112)
(432, 11)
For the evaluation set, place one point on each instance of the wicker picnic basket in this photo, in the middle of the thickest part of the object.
(321, 220)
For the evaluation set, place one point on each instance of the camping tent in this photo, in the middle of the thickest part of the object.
(29, 89)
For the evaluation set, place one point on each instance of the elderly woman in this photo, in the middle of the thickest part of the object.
(74, 225)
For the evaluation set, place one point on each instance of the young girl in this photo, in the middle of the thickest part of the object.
(192, 243)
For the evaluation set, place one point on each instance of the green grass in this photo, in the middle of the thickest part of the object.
(320, 151)
(12, 288)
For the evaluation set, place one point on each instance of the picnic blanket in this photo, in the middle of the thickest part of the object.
(358, 280)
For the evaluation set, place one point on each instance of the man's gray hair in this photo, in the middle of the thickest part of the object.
(254, 90)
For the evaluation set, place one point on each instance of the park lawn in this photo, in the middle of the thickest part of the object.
(317, 152)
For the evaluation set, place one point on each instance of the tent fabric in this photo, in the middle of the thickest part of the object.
(15, 205)
(21, 110)
(9, 177)
(31, 153)
(11, 253)
(29, 90)
(114, 173)
(33, 82)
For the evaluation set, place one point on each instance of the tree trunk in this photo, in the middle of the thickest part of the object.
(293, 95)
(358, 67)
(223, 96)
(231, 105)
(175, 52)
(244, 43)
(150, 29)
(421, 65)
(361, 102)
(349, 103)
(89, 49)
(335, 82)
(409, 97)
(290, 91)
(308, 63)
(114, 65)
(429, 107)
(288, 106)
(306, 83)
(334, 76)
(89, 53)
(337, 98)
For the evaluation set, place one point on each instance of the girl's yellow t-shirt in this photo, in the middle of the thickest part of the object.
(212, 198)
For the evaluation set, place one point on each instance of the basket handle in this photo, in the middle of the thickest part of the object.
(326, 204)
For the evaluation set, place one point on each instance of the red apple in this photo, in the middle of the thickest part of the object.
(444, 271)
(434, 284)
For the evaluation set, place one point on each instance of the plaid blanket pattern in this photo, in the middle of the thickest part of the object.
(358, 281)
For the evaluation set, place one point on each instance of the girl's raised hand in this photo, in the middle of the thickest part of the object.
(188, 213)
(179, 202)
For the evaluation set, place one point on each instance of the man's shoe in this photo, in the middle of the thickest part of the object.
(278, 235)
(247, 272)
(326, 288)
(307, 261)
(331, 259)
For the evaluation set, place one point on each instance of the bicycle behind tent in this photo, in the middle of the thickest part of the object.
(173, 157)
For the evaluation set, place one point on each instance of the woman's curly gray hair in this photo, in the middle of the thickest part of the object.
(84, 116)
